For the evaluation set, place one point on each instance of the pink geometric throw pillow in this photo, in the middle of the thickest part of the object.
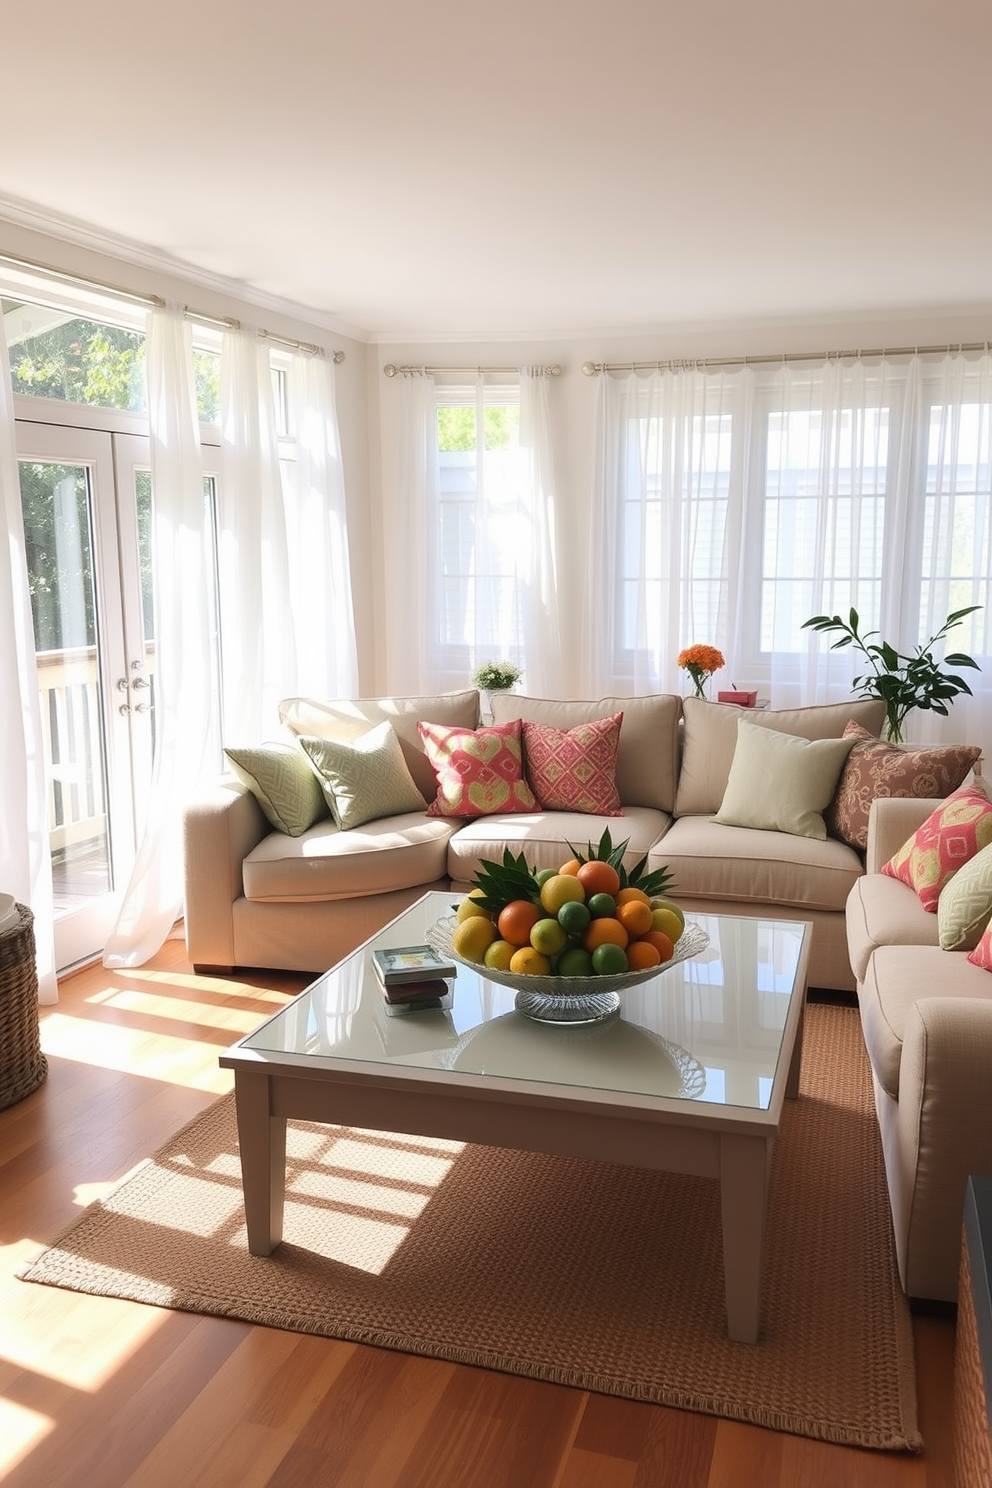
(575, 769)
(479, 771)
(982, 954)
(952, 834)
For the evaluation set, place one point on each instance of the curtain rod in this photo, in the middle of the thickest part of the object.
(591, 369)
(390, 370)
(156, 301)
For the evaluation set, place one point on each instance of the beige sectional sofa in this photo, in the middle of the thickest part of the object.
(927, 1019)
(256, 896)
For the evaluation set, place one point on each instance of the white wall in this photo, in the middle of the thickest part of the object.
(573, 394)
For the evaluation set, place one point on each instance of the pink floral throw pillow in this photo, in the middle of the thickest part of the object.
(479, 771)
(877, 768)
(575, 769)
(982, 954)
(952, 834)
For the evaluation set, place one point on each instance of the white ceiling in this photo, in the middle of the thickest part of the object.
(446, 168)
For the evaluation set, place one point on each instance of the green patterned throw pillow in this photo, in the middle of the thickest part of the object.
(964, 906)
(365, 779)
(281, 780)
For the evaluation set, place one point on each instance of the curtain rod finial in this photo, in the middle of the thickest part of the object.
(389, 370)
(338, 358)
(590, 369)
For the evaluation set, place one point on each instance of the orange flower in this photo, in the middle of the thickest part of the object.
(705, 659)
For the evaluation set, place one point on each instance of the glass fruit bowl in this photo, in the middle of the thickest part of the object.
(576, 999)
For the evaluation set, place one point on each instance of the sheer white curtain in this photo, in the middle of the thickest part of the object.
(259, 641)
(25, 862)
(185, 708)
(663, 568)
(317, 530)
(409, 505)
(539, 596)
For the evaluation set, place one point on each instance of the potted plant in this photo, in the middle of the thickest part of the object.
(496, 676)
(903, 682)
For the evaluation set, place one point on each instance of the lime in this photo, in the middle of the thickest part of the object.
(542, 876)
(548, 937)
(573, 917)
(575, 962)
(602, 906)
(609, 960)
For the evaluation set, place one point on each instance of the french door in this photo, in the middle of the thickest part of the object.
(86, 500)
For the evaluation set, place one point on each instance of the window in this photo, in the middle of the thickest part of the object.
(482, 530)
(957, 516)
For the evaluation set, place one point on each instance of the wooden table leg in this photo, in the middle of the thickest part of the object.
(743, 1189)
(262, 1140)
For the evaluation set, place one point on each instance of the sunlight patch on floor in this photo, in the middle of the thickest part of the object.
(110, 1046)
(20, 1432)
(233, 1020)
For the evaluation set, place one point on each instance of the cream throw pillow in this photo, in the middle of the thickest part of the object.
(965, 904)
(366, 779)
(280, 778)
(781, 783)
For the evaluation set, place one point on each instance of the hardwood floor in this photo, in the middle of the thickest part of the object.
(98, 1393)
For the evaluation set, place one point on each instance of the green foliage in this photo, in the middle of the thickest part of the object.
(903, 682)
(58, 551)
(502, 883)
(82, 362)
(496, 676)
(457, 429)
(655, 883)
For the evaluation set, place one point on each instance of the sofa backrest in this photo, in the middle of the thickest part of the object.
(344, 720)
(710, 738)
(647, 757)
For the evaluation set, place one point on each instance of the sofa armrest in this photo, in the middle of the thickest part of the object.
(892, 820)
(219, 829)
(944, 1131)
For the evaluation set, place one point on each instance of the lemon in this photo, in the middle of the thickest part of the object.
(499, 955)
(669, 904)
(473, 937)
(561, 888)
(668, 922)
(529, 962)
(470, 906)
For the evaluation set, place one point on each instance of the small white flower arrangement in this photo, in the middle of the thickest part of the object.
(496, 676)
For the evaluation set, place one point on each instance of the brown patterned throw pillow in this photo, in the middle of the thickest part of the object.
(877, 768)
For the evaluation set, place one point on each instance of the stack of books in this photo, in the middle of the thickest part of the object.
(414, 977)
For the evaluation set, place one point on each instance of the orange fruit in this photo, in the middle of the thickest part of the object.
(605, 931)
(626, 895)
(635, 917)
(641, 955)
(597, 877)
(529, 962)
(571, 867)
(517, 919)
(662, 941)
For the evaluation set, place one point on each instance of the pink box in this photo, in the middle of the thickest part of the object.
(742, 699)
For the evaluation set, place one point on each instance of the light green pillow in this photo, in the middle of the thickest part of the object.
(781, 783)
(280, 778)
(366, 778)
(965, 904)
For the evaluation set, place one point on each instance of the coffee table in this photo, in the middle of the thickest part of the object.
(689, 1076)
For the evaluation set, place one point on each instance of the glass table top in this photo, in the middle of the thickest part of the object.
(708, 1029)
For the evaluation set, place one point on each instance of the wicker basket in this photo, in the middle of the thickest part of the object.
(23, 1066)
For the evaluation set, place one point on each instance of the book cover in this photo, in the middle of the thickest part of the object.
(415, 963)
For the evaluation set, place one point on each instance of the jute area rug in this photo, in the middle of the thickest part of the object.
(587, 1274)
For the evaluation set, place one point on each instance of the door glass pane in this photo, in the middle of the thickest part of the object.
(58, 530)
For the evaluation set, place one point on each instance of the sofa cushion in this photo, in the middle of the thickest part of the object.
(547, 838)
(883, 911)
(397, 852)
(279, 776)
(574, 769)
(347, 719)
(710, 738)
(965, 904)
(715, 862)
(364, 780)
(897, 978)
(478, 771)
(951, 835)
(876, 768)
(781, 783)
(648, 754)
